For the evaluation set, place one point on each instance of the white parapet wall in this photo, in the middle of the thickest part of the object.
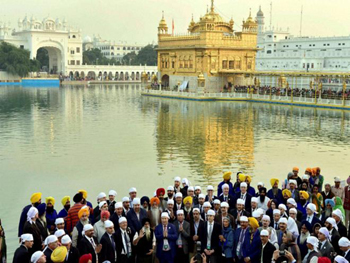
(5, 77)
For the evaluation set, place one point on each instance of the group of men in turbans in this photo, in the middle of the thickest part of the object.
(293, 221)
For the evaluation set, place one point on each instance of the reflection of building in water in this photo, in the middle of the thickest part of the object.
(210, 137)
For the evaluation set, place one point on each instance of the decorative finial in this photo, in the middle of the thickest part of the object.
(212, 5)
(250, 12)
(163, 14)
(207, 9)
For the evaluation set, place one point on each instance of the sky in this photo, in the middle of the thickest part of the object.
(136, 21)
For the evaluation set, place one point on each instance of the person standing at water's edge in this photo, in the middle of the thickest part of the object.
(35, 200)
(22, 254)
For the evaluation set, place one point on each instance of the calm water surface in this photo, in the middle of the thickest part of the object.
(109, 137)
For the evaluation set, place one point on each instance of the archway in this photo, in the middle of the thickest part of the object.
(82, 75)
(76, 75)
(137, 75)
(50, 56)
(117, 75)
(121, 76)
(165, 80)
(91, 75)
(126, 75)
(110, 76)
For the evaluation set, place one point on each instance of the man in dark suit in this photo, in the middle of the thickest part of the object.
(331, 225)
(338, 217)
(209, 237)
(183, 230)
(244, 195)
(224, 213)
(118, 213)
(166, 237)
(135, 216)
(21, 253)
(51, 243)
(267, 248)
(238, 211)
(178, 202)
(325, 247)
(123, 242)
(108, 251)
(195, 225)
(344, 245)
(225, 196)
(239, 237)
(73, 253)
(311, 215)
(87, 244)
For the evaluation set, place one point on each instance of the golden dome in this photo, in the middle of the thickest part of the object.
(250, 21)
(212, 16)
(162, 22)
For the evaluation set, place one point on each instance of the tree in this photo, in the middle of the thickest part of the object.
(42, 55)
(147, 55)
(16, 61)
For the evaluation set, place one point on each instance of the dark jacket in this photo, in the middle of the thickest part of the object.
(23, 219)
(214, 244)
(85, 247)
(34, 230)
(73, 255)
(47, 253)
(119, 240)
(108, 251)
(133, 222)
(185, 234)
(267, 252)
(247, 202)
(326, 249)
(230, 199)
(252, 247)
(172, 236)
(21, 255)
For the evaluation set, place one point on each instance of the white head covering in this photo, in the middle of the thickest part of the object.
(292, 227)
(292, 181)
(260, 184)
(27, 237)
(108, 223)
(177, 179)
(260, 211)
(282, 206)
(185, 181)
(197, 188)
(165, 214)
(256, 214)
(283, 220)
(59, 220)
(136, 201)
(102, 204)
(312, 241)
(201, 196)
(240, 201)
(293, 210)
(190, 188)
(324, 231)
(276, 211)
(66, 240)
(170, 202)
(312, 207)
(338, 213)
(206, 204)
(87, 227)
(170, 188)
(132, 190)
(196, 209)
(211, 212)
(225, 186)
(305, 177)
(125, 199)
(210, 188)
(331, 221)
(60, 233)
(243, 184)
(112, 192)
(336, 179)
(36, 256)
(264, 233)
(344, 242)
(122, 219)
(340, 259)
(292, 202)
(118, 205)
(101, 195)
(243, 219)
(31, 214)
(217, 202)
(178, 195)
(50, 239)
(180, 212)
(254, 200)
(266, 217)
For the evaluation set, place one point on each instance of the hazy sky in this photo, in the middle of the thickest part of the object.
(137, 20)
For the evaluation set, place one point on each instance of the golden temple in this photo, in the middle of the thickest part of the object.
(209, 56)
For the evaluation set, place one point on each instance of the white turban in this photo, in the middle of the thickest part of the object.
(254, 200)
(312, 241)
(36, 256)
(331, 221)
(256, 214)
(112, 192)
(292, 181)
(101, 195)
(122, 220)
(211, 212)
(344, 242)
(125, 199)
(50, 239)
(197, 188)
(27, 237)
(170, 188)
(217, 202)
(260, 184)
(243, 184)
(196, 209)
(102, 204)
(240, 201)
(292, 202)
(190, 188)
(312, 207)
(260, 211)
(293, 210)
(305, 177)
(210, 188)
(336, 179)
(60, 233)
(264, 233)
(66, 240)
(324, 231)
(283, 220)
(201, 196)
(276, 211)
(243, 219)
(136, 201)
(180, 212)
(266, 217)
(59, 220)
(170, 202)
(282, 206)
(132, 190)
(31, 214)
(185, 181)
(118, 205)
(338, 213)
(87, 227)
(177, 179)
(108, 223)
(225, 204)
(178, 195)
(224, 186)
(340, 259)
(206, 204)
(165, 214)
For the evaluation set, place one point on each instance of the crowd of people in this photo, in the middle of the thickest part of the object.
(299, 220)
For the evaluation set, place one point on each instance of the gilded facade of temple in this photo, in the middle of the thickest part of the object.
(210, 55)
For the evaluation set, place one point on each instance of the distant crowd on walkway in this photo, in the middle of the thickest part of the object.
(301, 219)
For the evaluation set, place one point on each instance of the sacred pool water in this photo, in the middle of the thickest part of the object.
(102, 137)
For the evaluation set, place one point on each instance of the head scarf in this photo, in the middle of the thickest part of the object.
(36, 256)
(339, 205)
(313, 241)
(155, 199)
(31, 214)
(65, 199)
(253, 222)
(293, 227)
(41, 209)
(82, 211)
(51, 200)
(85, 258)
(304, 194)
(227, 176)
(324, 231)
(340, 259)
(287, 192)
(344, 242)
(59, 254)
(35, 198)
(273, 181)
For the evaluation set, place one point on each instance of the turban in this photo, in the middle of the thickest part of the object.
(60, 233)
(84, 193)
(27, 237)
(241, 177)
(344, 242)
(295, 169)
(101, 195)
(336, 179)
(312, 241)
(178, 195)
(188, 199)
(185, 181)
(155, 199)
(160, 191)
(206, 204)
(180, 212)
(264, 233)
(132, 190)
(102, 204)
(65, 240)
(266, 217)
(165, 214)
(282, 206)
(255, 214)
(225, 186)
(177, 179)
(314, 171)
(243, 219)
(85, 258)
(283, 220)
(31, 213)
(286, 192)
(105, 213)
(240, 201)
(292, 202)
(118, 205)
(125, 199)
(211, 212)
(201, 196)
(309, 170)
(338, 213)
(136, 201)
(112, 192)
(244, 184)
(262, 190)
(59, 254)
(340, 259)
(51, 200)
(248, 178)
(307, 225)
(170, 188)
(35, 198)
(197, 188)
(273, 181)
(210, 188)
(217, 202)
(145, 220)
(108, 223)
(254, 200)
(324, 260)
(253, 222)
(304, 194)
(41, 209)
(87, 227)
(293, 210)
(260, 184)
(324, 231)
(65, 199)
(78, 197)
(196, 210)
(50, 239)
(312, 207)
(144, 199)
(225, 204)
(292, 181)
(122, 220)
(82, 211)
(227, 176)
(332, 221)
(36, 256)
(190, 188)
(305, 177)
(170, 202)
(329, 201)
(276, 211)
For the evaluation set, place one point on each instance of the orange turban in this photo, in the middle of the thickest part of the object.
(295, 169)
(308, 170)
(314, 171)
(248, 179)
(82, 211)
(154, 199)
